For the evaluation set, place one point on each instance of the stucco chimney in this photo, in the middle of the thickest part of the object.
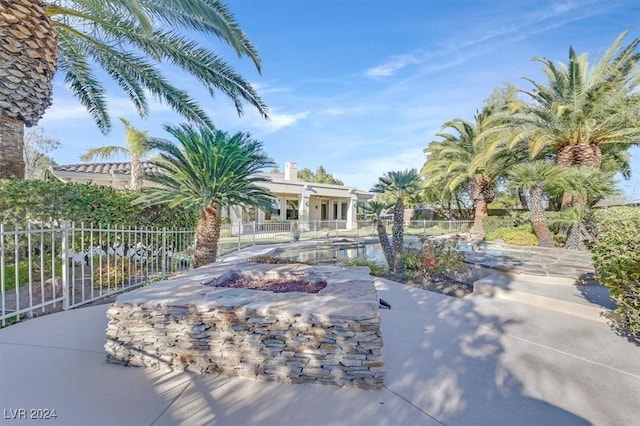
(290, 171)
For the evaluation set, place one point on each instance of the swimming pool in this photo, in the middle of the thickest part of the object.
(332, 253)
(338, 253)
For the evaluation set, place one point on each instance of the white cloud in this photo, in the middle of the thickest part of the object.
(279, 121)
(392, 66)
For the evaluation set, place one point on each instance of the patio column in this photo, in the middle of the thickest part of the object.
(352, 211)
(303, 208)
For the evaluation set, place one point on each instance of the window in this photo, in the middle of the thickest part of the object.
(292, 209)
(344, 207)
(249, 215)
(275, 215)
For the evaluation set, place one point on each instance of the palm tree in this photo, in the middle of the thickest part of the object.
(463, 158)
(398, 185)
(532, 177)
(135, 147)
(128, 39)
(376, 208)
(587, 186)
(208, 171)
(581, 108)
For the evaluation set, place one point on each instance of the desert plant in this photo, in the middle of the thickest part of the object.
(207, 171)
(113, 271)
(398, 185)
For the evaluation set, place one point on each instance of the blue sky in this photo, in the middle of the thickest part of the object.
(362, 87)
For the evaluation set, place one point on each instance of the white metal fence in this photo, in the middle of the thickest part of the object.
(237, 236)
(45, 268)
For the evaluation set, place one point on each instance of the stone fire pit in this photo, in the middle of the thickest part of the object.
(192, 323)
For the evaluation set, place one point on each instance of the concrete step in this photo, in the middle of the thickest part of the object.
(590, 301)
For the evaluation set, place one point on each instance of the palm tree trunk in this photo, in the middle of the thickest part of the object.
(522, 198)
(587, 155)
(538, 219)
(11, 148)
(482, 194)
(480, 213)
(385, 244)
(398, 235)
(564, 159)
(207, 236)
(580, 154)
(136, 174)
(574, 236)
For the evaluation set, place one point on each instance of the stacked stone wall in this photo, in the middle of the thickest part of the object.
(257, 340)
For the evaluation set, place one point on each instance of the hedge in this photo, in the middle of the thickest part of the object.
(616, 258)
(56, 201)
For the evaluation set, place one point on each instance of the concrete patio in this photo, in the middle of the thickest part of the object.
(472, 361)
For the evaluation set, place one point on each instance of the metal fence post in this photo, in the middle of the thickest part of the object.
(255, 227)
(164, 253)
(64, 232)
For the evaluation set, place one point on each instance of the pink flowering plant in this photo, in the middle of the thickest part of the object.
(434, 259)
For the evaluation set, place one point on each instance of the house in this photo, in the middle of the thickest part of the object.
(305, 202)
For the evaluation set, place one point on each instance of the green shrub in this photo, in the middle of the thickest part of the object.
(496, 234)
(616, 258)
(493, 223)
(376, 268)
(47, 201)
(520, 237)
(512, 220)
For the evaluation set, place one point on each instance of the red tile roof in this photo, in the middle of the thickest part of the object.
(102, 168)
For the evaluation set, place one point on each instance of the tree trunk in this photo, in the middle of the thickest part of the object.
(207, 236)
(480, 213)
(587, 155)
(522, 198)
(28, 52)
(482, 194)
(538, 219)
(564, 159)
(385, 244)
(398, 235)
(574, 236)
(580, 154)
(11, 148)
(136, 174)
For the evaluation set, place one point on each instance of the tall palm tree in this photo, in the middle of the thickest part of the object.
(398, 185)
(376, 208)
(580, 109)
(135, 147)
(128, 39)
(463, 157)
(209, 170)
(532, 177)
